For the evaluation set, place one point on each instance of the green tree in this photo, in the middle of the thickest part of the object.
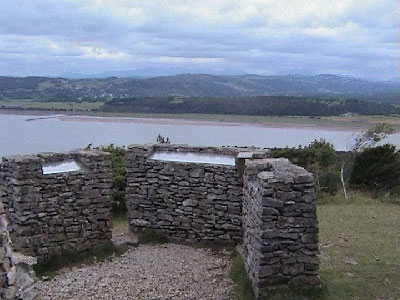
(318, 157)
(118, 179)
(365, 140)
(377, 168)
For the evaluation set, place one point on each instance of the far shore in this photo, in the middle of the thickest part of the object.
(333, 123)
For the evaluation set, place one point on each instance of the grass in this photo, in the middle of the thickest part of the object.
(149, 236)
(242, 285)
(354, 122)
(312, 293)
(48, 267)
(120, 223)
(359, 244)
(30, 104)
(360, 255)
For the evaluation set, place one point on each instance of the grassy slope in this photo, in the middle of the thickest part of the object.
(360, 255)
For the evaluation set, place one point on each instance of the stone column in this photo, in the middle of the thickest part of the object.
(280, 244)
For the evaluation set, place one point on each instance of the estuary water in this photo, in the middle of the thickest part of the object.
(21, 134)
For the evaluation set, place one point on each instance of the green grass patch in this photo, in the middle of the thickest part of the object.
(149, 236)
(48, 266)
(359, 250)
(56, 105)
(242, 285)
(312, 293)
(120, 222)
(358, 197)
(359, 244)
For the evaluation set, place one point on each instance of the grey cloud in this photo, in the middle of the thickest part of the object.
(52, 37)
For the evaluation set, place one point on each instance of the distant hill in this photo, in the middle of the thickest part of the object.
(198, 85)
(149, 72)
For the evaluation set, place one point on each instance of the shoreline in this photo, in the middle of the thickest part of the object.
(196, 122)
(293, 122)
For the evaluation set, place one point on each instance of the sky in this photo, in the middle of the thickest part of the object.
(346, 37)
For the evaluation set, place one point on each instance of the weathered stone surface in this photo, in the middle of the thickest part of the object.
(60, 211)
(268, 204)
(191, 201)
(280, 243)
(17, 279)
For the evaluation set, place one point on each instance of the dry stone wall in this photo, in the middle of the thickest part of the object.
(51, 213)
(280, 243)
(267, 204)
(17, 279)
(192, 201)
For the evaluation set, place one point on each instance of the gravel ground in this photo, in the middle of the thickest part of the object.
(154, 272)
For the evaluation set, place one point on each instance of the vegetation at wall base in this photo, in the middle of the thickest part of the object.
(149, 236)
(241, 280)
(309, 293)
(53, 263)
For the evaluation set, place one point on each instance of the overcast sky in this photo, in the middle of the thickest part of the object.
(49, 37)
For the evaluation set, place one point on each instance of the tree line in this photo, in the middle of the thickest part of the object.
(256, 106)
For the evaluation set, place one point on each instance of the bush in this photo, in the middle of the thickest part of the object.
(314, 157)
(330, 182)
(118, 183)
(319, 158)
(377, 169)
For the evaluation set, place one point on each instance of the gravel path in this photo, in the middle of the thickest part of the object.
(154, 272)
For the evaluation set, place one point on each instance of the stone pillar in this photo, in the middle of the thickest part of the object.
(280, 243)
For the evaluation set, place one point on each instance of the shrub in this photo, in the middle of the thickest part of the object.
(118, 183)
(319, 158)
(314, 157)
(330, 182)
(377, 169)
(162, 140)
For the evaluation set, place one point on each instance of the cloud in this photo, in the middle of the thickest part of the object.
(358, 37)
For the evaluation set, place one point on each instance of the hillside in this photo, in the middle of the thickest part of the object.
(197, 85)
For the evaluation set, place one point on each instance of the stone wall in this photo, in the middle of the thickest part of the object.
(17, 279)
(51, 213)
(268, 204)
(280, 243)
(191, 201)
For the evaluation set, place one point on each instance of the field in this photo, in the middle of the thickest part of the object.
(360, 253)
(32, 105)
(355, 122)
